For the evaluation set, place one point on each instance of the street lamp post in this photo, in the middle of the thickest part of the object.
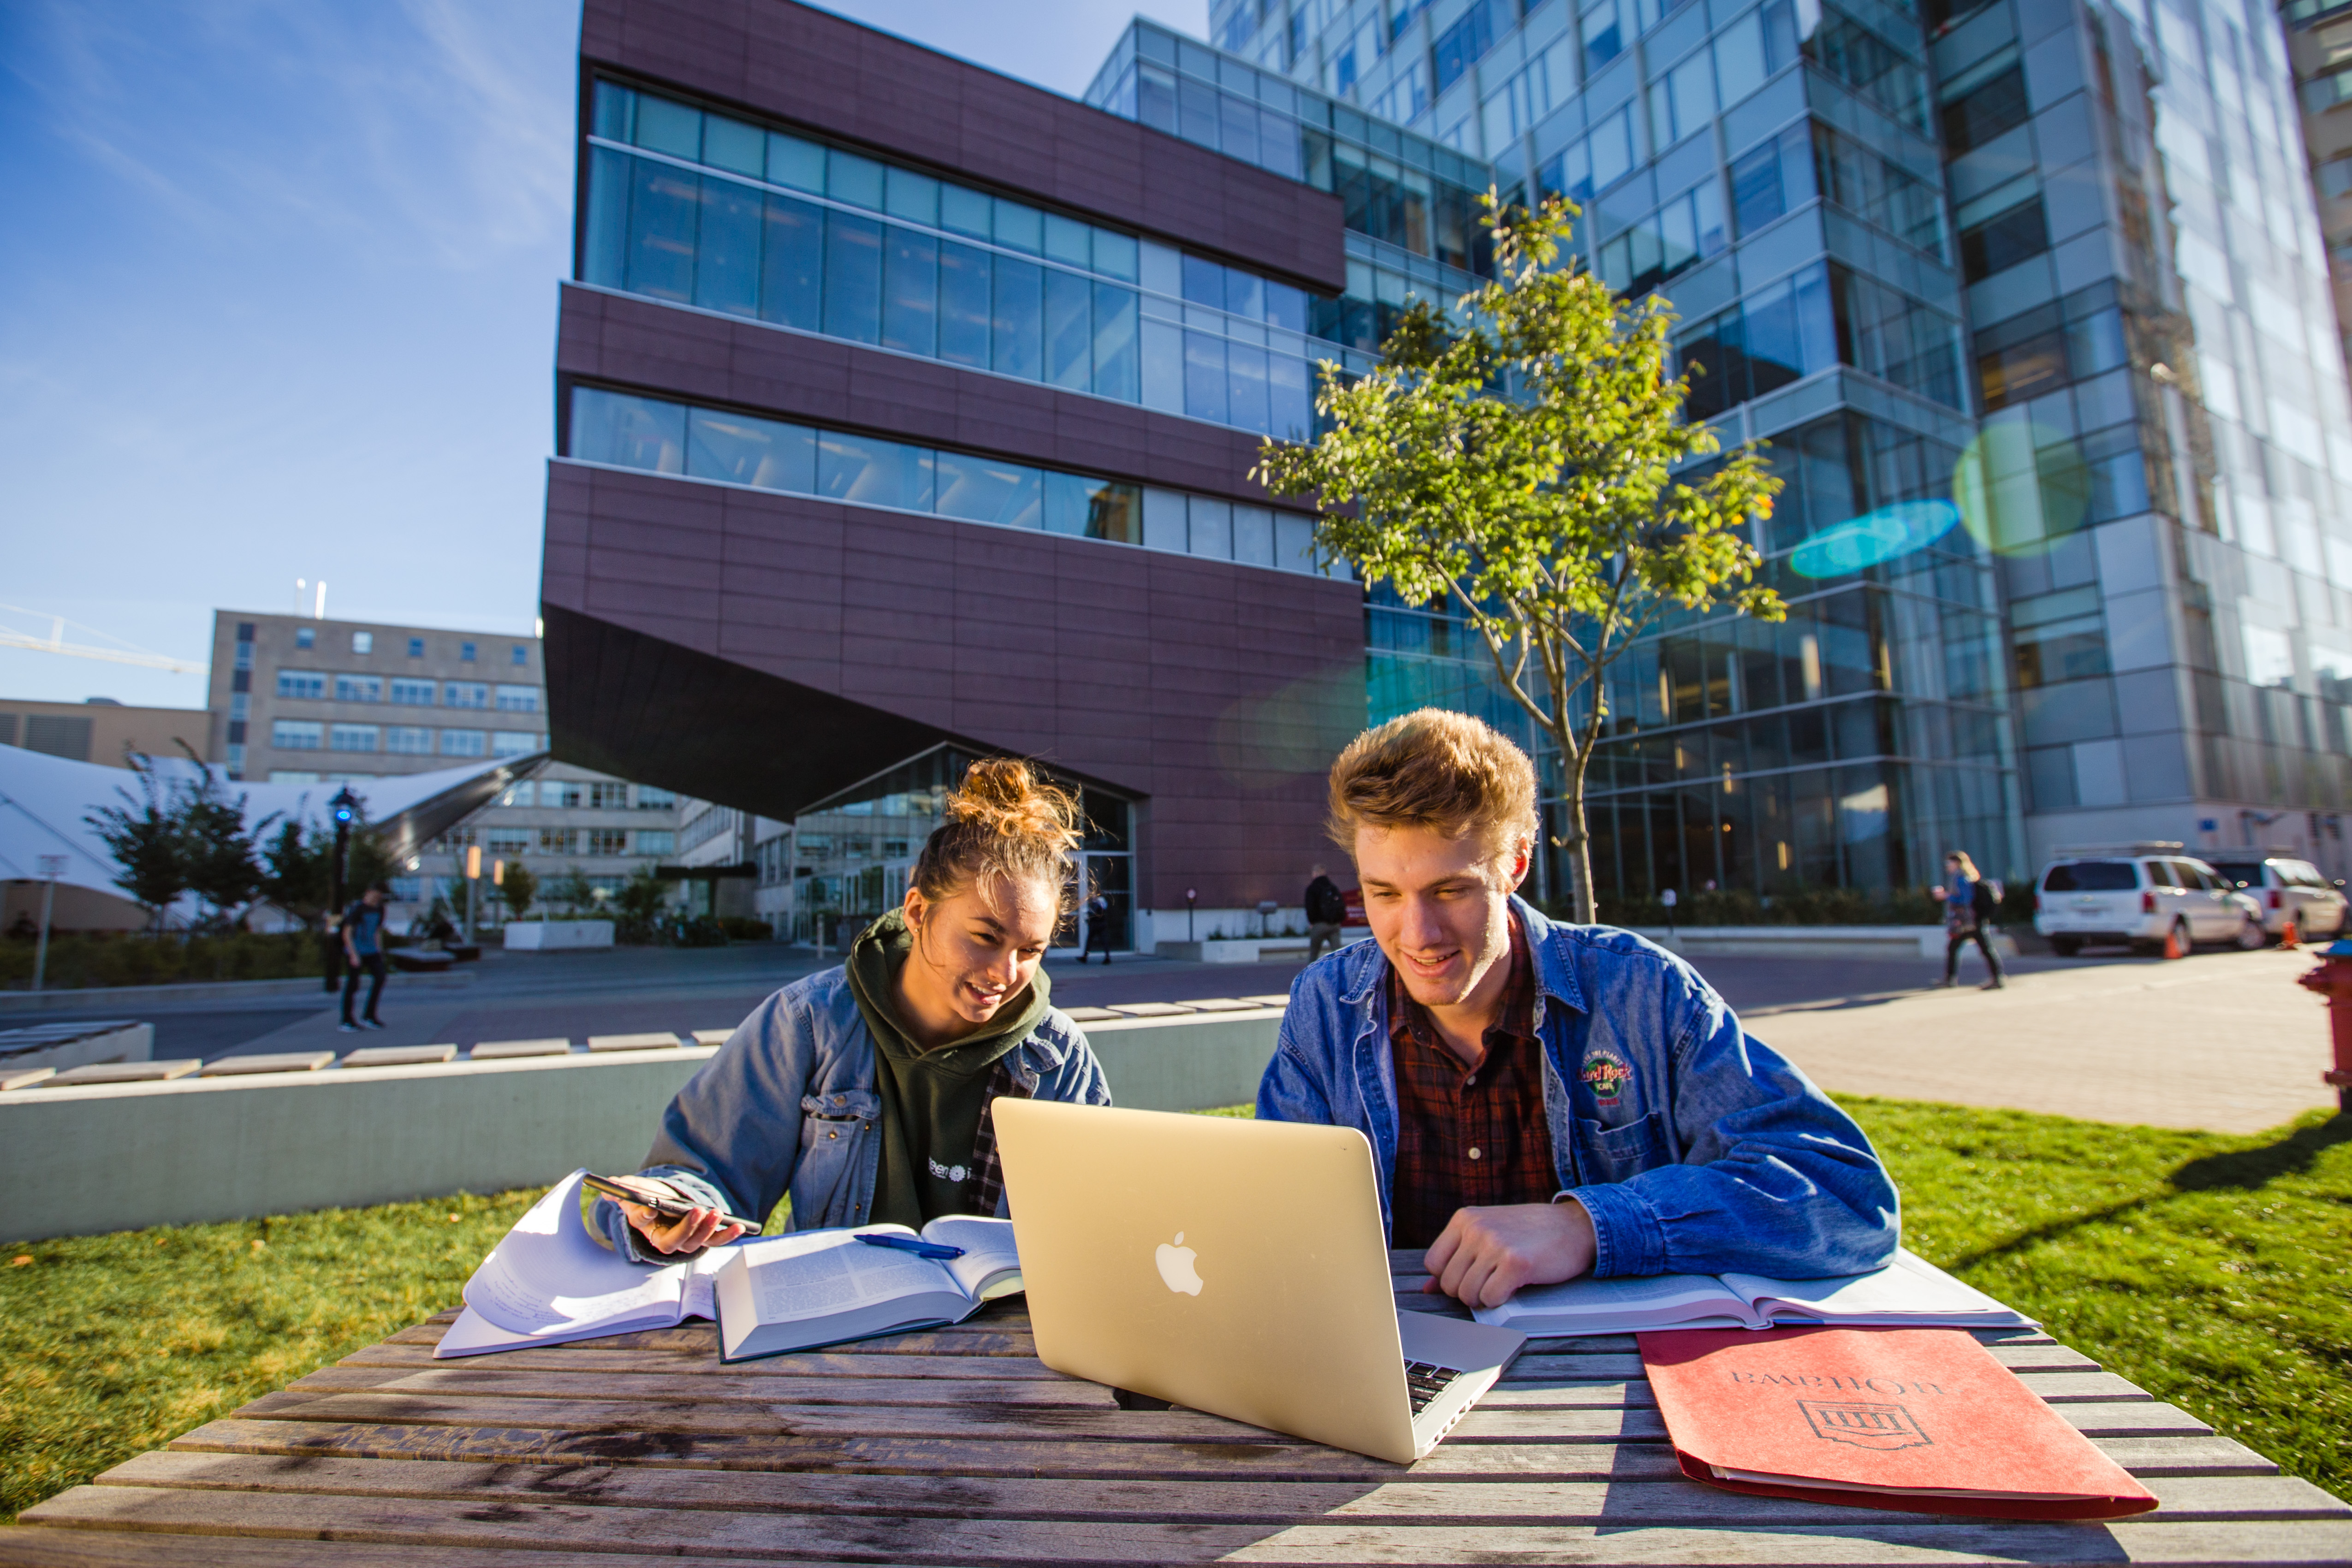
(345, 809)
(52, 868)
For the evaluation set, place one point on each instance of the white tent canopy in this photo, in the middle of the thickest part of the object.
(46, 803)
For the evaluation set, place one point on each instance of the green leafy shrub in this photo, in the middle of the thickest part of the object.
(78, 959)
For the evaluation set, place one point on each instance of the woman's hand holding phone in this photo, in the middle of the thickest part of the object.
(690, 1232)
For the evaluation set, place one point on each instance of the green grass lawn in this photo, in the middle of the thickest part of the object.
(2214, 1271)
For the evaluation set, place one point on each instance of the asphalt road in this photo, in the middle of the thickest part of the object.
(2222, 1040)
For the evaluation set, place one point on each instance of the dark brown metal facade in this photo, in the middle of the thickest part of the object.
(765, 650)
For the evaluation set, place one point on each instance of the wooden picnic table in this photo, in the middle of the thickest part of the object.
(956, 1446)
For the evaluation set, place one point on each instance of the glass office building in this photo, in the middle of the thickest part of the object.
(2028, 298)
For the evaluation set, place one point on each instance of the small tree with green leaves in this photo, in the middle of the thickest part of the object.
(144, 835)
(573, 891)
(517, 888)
(216, 849)
(1514, 462)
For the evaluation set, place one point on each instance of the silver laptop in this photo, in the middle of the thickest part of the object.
(1234, 1267)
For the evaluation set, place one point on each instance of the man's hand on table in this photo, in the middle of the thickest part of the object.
(1486, 1256)
(690, 1233)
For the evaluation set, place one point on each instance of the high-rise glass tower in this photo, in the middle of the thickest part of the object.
(2031, 303)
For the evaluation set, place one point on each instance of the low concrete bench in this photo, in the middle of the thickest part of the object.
(144, 1143)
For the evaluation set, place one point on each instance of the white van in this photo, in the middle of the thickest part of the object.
(2149, 895)
(2288, 890)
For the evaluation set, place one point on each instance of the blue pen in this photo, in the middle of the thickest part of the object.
(915, 1245)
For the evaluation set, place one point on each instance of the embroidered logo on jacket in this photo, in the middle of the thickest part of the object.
(948, 1173)
(1606, 1074)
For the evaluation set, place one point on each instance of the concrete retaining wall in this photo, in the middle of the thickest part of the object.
(135, 999)
(1810, 941)
(79, 1161)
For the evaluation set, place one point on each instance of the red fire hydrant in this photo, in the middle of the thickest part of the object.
(2333, 980)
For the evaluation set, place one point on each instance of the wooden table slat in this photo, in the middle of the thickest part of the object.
(1656, 1499)
(436, 1521)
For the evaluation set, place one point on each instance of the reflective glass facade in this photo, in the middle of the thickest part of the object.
(2032, 306)
(662, 435)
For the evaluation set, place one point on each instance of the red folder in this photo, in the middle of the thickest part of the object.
(1920, 1419)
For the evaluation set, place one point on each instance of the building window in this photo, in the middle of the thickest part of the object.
(509, 840)
(416, 648)
(519, 795)
(305, 637)
(245, 631)
(2003, 240)
(292, 776)
(513, 743)
(518, 699)
(463, 743)
(608, 796)
(647, 433)
(465, 652)
(407, 889)
(240, 707)
(359, 689)
(363, 642)
(556, 840)
(236, 761)
(608, 841)
(408, 739)
(522, 655)
(464, 694)
(297, 734)
(413, 693)
(301, 683)
(657, 841)
(652, 799)
(243, 661)
(353, 737)
(823, 241)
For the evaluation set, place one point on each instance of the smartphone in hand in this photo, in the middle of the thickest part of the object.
(657, 1197)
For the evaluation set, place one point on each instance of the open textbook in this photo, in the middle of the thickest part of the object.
(552, 1280)
(821, 1287)
(1909, 1292)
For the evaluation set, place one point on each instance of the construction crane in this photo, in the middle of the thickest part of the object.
(123, 653)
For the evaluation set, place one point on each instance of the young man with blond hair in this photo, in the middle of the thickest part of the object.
(1547, 1101)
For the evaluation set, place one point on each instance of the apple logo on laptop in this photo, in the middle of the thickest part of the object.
(1176, 1265)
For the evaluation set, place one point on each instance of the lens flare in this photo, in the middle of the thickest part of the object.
(1875, 536)
(2021, 488)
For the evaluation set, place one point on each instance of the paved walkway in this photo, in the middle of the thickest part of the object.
(2223, 1041)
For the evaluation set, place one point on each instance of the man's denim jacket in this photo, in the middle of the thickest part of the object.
(1694, 1147)
(789, 1105)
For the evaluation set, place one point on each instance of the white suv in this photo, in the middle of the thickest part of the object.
(2287, 889)
(2149, 895)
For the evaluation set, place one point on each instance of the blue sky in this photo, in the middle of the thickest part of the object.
(282, 282)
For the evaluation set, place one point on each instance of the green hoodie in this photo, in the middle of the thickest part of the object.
(931, 1100)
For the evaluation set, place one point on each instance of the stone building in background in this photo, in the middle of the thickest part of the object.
(296, 699)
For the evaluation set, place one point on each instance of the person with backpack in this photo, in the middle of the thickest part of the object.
(1970, 908)
(1327, 911)
(1097, 911)
(363, 937)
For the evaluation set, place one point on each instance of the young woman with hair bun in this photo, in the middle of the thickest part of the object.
(863, 1090)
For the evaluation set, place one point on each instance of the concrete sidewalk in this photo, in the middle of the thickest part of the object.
(2222, 1041)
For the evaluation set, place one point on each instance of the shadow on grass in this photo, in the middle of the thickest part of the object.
(2251, 1168)
(2243, 1171)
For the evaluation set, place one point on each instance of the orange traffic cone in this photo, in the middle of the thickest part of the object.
(2288, 937)
(2173, 947)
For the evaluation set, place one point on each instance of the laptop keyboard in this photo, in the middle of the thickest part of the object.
(1425, 1383)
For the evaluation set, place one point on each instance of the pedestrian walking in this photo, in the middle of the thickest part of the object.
(1097, 929)
(1327, 911)
(1970, 906)
(363, 930)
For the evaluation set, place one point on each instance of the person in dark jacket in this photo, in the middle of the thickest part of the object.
(1969, 910)
(1327, 911)
(363, 941)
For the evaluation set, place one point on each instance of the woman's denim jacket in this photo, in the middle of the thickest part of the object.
(1694, 1147)
(789, 1105)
